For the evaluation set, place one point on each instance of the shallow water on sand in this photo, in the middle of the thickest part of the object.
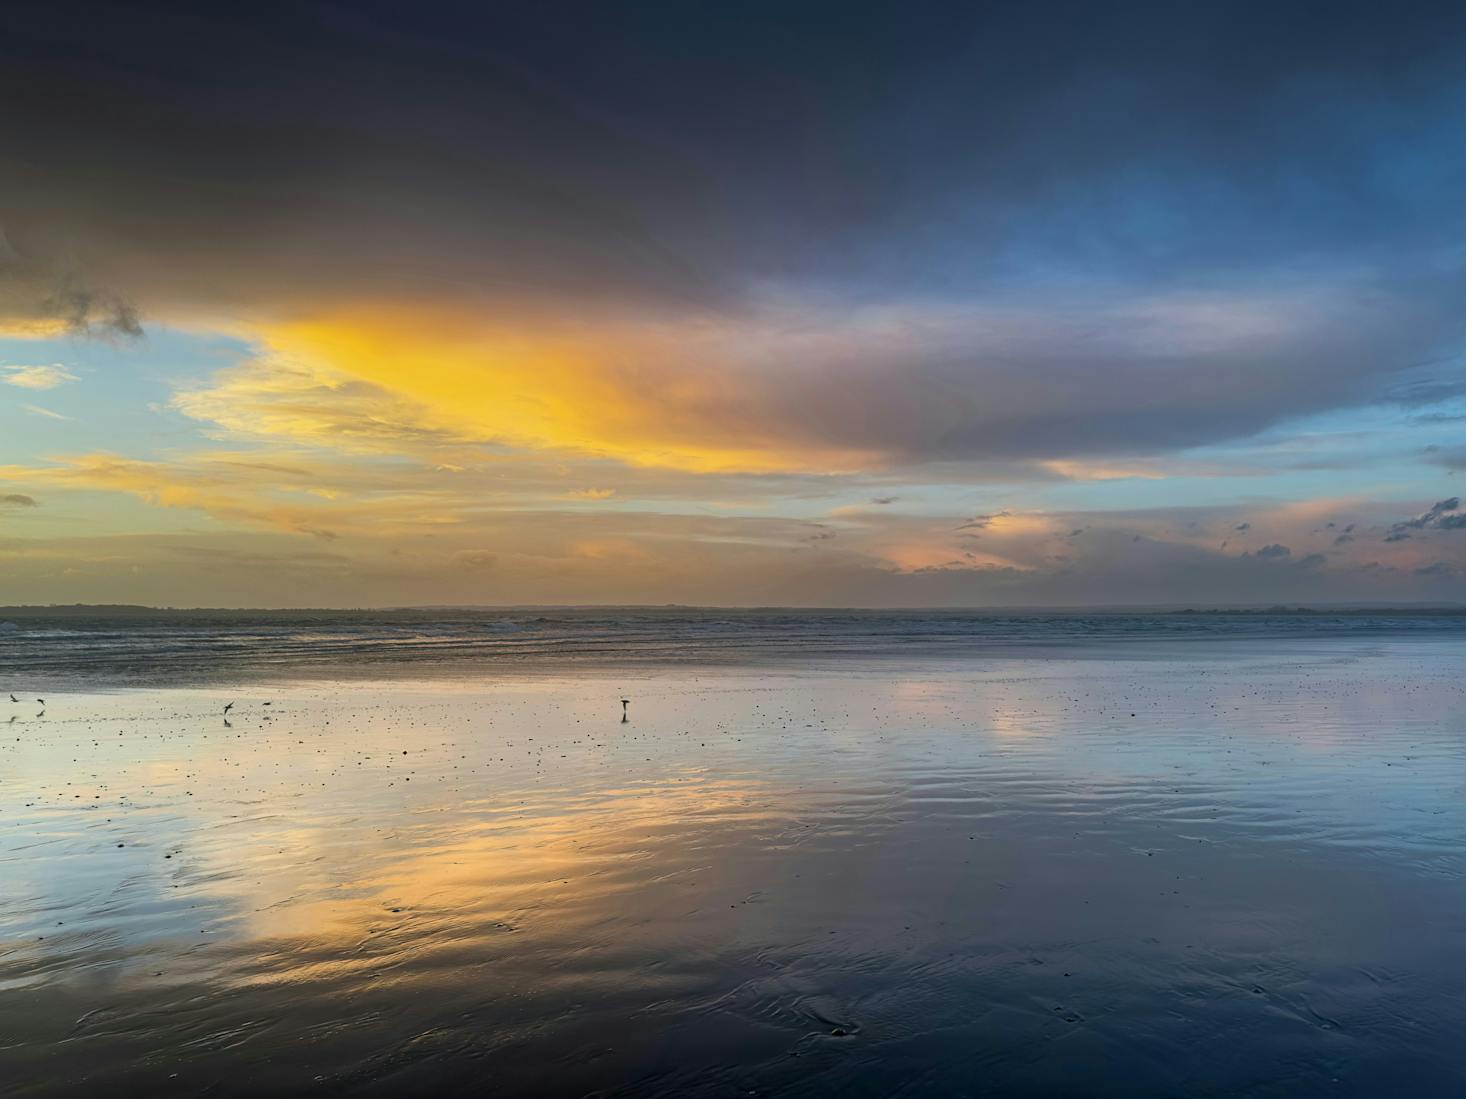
(1238, 871)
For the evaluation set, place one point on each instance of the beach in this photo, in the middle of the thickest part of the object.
(1099, 868)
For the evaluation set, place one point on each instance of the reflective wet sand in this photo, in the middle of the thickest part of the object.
(1231, 870)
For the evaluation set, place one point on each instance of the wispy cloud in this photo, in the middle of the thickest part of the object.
(46, 413)
(461, 536)
(38, 376)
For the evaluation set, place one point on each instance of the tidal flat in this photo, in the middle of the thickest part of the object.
(1231, 868)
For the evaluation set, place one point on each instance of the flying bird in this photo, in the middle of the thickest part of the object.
(13, 698)
(228, 707)
(42, 701)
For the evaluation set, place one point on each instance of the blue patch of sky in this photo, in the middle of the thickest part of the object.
(119, 402)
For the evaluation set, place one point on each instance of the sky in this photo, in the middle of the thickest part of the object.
(889, 304)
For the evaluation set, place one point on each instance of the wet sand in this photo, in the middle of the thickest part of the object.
(1239, 871)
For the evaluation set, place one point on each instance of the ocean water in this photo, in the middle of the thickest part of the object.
(860, 854)
(146, 647)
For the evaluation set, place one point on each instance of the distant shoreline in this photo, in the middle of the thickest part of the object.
(127, 610)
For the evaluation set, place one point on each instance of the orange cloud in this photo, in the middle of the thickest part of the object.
(1102, 471)
(411, 380)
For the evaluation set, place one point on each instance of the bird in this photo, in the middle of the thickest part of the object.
(625, 702)
(13, 698)
(228, 707)
(42, 701)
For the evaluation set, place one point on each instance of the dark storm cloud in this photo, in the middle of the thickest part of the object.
(657, 140)
(692, 160)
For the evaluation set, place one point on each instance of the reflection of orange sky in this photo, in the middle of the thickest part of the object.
(1009, 723)
(495, 867)
(936, 700)
(316, 855)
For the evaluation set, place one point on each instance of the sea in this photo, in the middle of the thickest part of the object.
(140, 645)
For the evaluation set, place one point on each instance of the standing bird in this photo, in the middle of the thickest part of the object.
(228, 707)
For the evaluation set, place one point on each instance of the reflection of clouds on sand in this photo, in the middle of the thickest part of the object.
(1006, 722)
(905, 852)
(549, 872)
(295, 852)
